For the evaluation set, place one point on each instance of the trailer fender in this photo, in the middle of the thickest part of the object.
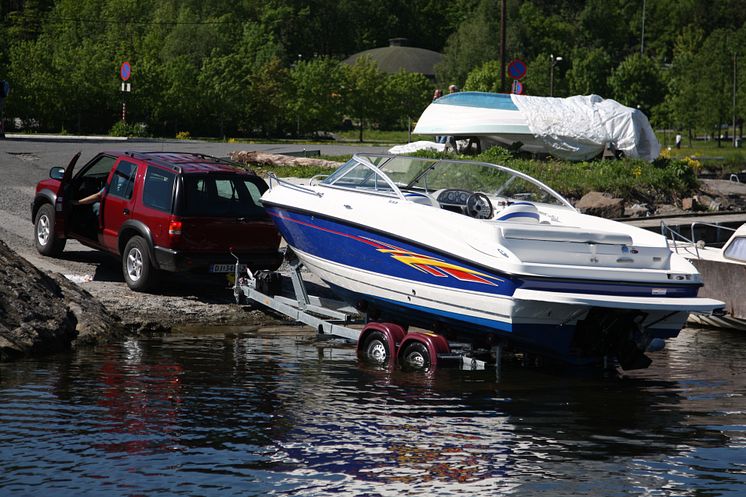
(434, 343)
(393, 333)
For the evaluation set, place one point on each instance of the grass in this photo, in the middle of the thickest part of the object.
(720, 160)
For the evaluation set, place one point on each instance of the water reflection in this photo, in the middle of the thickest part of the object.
(250, 414)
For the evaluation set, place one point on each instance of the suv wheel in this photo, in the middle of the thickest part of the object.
(44, 238)
(137, 267)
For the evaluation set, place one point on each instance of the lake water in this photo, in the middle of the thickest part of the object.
(253, 413)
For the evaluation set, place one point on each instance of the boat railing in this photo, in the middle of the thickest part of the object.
(288, 184)
(676, 241)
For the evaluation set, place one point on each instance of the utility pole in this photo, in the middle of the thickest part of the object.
(552, 63)
(642, 35)
(503, 15)
(735, 60)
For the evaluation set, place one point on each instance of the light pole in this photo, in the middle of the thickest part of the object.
(553, 62)
(735, 63)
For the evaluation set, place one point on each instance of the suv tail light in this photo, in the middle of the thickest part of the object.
(174, 228)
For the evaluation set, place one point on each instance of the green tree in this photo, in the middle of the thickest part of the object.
(364, 91)
(315, 100)
(682, 96)
(35, 90)
(589, 72)
(542, 80)
(638, 82)
(222, 83)
(484, 78)
(714, 73)
(406, 95)
(474, 43)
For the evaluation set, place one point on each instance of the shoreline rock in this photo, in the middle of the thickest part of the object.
(44, 312)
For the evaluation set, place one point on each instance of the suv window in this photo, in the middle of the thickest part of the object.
(94, 177)
(223, 196)
(158, 189)
(123, 181)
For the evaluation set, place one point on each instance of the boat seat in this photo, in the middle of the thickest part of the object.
(520, 212)
(421, 198)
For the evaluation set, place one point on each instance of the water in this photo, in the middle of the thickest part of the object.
(268, 414)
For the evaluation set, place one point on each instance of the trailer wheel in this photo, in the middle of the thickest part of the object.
(415, 357)
(376, 349)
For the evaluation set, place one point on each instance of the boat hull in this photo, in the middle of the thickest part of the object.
(723, 281)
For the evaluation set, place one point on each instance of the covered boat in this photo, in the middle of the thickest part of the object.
(574, 128)
(484, 253)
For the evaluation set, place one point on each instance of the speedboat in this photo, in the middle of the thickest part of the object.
(483, 253)
(574, 128)
(723, 272)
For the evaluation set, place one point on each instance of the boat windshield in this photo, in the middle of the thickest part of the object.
(387, 173)
(736, 249)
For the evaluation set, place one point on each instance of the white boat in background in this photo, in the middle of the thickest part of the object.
(486, 254)
(723, 271)
(574, 128)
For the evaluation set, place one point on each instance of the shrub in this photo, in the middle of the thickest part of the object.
(122, 128)
(183, 135)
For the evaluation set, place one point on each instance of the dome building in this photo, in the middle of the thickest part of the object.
(398, 56)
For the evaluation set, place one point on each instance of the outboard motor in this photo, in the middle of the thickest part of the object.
(614, 332)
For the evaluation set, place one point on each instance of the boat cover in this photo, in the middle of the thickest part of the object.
(574, 128)
(579, 127)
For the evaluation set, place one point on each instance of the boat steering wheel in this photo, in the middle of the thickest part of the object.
(478, 206)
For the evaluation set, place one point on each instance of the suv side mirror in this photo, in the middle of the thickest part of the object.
(57, 173)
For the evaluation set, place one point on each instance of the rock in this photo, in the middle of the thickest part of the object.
(688, 203)
(601, 204)
(40, 314)
(637, 210)
(707, 203)
(96, 324)
(262, 158)
(668, 210)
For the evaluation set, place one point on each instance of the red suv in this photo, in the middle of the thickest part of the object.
(158, 211)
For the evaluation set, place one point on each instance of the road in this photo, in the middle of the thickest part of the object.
(183, 299)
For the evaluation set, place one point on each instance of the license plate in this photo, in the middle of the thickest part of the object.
(226, 268)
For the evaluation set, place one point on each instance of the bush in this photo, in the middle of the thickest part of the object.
(183, 135)
(122, 128)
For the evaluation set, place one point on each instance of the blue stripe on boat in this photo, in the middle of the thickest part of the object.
(511, 215)
(478, 99)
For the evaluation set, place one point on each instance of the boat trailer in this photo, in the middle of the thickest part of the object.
(384, 344)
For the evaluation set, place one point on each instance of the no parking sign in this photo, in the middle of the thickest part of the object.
(125, 71)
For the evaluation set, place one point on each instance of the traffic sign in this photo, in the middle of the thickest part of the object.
(125, 71)
(517, 69)
(517, 87)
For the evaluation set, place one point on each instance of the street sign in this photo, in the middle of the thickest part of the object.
(125, 71)
(517, 87)
(517, 69)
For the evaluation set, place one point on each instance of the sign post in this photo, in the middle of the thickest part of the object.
(125, 71)
(4, 91)
(517, 70)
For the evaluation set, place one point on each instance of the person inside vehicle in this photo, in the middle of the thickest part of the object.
(94, 199)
